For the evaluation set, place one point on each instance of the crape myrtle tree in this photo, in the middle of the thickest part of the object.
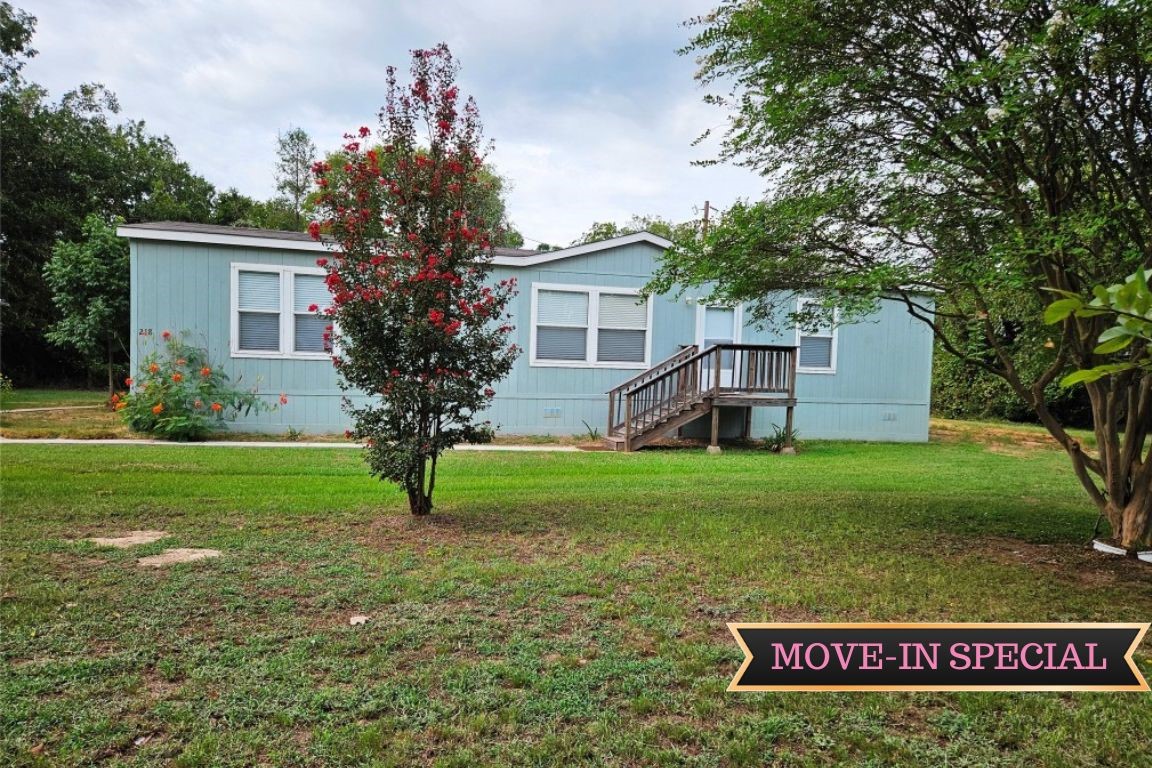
(966, 158)
(414, 322)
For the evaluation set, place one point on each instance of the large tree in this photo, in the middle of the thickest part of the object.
(61, 161)
(417, 327)
(295, 154)
(966, 158)
(604, 230)
(89, 281)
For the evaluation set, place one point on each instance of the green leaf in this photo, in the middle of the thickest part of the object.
(1061, 309)
(1082, 376)
(1113, 345)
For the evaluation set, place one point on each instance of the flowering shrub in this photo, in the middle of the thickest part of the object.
(180, 395)
(413, 315)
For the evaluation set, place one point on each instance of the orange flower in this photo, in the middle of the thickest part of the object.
(121, 405)
(166, 335)
(177, 377)
(158, 408)
(153, 368)
(283, 399)
(115, 398)
(128, 381)
(181, 361)
(205, 371)
(198, 404)
(217, 407)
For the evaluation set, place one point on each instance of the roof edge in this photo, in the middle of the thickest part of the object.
(134, 232)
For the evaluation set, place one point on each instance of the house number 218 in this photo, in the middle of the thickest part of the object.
(145, 331)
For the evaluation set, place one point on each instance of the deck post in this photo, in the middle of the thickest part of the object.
(611, 412)
(747, 422)
(714, 446)
(788, 447)
(795, 359)
(627, 423)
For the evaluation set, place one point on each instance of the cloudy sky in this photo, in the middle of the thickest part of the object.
(592, 111)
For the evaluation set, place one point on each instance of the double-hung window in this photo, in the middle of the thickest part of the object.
(589, 327)
(817, 345)
(270, 315)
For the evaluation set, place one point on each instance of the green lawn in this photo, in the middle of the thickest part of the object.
(557, 609)
(50, 398)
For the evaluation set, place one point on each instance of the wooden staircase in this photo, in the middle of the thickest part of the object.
(694, 383)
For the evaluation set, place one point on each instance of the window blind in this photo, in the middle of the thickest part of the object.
(308, 333)
(259, 302)
(562, 308)
(308, 290)
(562, 319)
(621, 311)
(259, 291)
(815, 351)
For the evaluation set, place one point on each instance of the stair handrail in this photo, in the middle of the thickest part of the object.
(652, 372)
(649, 408)
(648, 397)
(614, 394)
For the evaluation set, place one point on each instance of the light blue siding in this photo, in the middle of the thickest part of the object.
(880, 390)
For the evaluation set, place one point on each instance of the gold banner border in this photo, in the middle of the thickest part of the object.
(735, 626)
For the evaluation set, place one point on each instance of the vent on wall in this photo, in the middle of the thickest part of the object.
(888, 416)
(551, 413)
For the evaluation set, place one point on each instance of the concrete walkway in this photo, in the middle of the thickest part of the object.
(264, 444)
(55, 408)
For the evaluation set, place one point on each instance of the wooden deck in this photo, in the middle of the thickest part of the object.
(692, 384)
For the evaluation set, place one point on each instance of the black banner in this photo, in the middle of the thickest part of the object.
(938, 657)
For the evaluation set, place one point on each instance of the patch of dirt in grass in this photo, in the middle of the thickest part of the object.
(1081, 564)
(178, 555)
(1006, 439)
(128, 540)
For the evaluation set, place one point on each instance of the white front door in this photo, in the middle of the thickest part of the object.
(718, 325)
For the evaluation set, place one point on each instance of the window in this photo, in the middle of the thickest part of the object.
(270, 316)
(589, 327)
(817, 345)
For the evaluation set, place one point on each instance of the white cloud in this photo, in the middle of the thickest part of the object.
(592, 112)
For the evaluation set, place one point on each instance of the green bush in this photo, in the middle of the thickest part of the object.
(961, 390)
(179, 395)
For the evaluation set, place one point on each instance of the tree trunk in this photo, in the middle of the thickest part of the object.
(1131, 524)
(419, 503)
(1118, 477)
(419, 500)
(111, 382)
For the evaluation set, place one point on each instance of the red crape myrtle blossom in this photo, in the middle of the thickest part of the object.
(414, 318)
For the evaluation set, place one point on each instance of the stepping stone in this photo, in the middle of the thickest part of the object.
(131, 539)
(180, 555)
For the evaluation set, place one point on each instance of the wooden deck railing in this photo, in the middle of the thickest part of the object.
(616, 394)
(690, 377)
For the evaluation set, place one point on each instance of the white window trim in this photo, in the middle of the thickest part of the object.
(833, 334)
(287, 313)
(737, 322)
(592, 337)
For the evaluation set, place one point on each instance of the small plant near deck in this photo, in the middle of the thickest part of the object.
(779, 438)
(591, 432)
(5, 383)
(180, 395)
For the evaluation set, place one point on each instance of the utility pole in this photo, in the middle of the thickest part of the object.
(707, 207)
